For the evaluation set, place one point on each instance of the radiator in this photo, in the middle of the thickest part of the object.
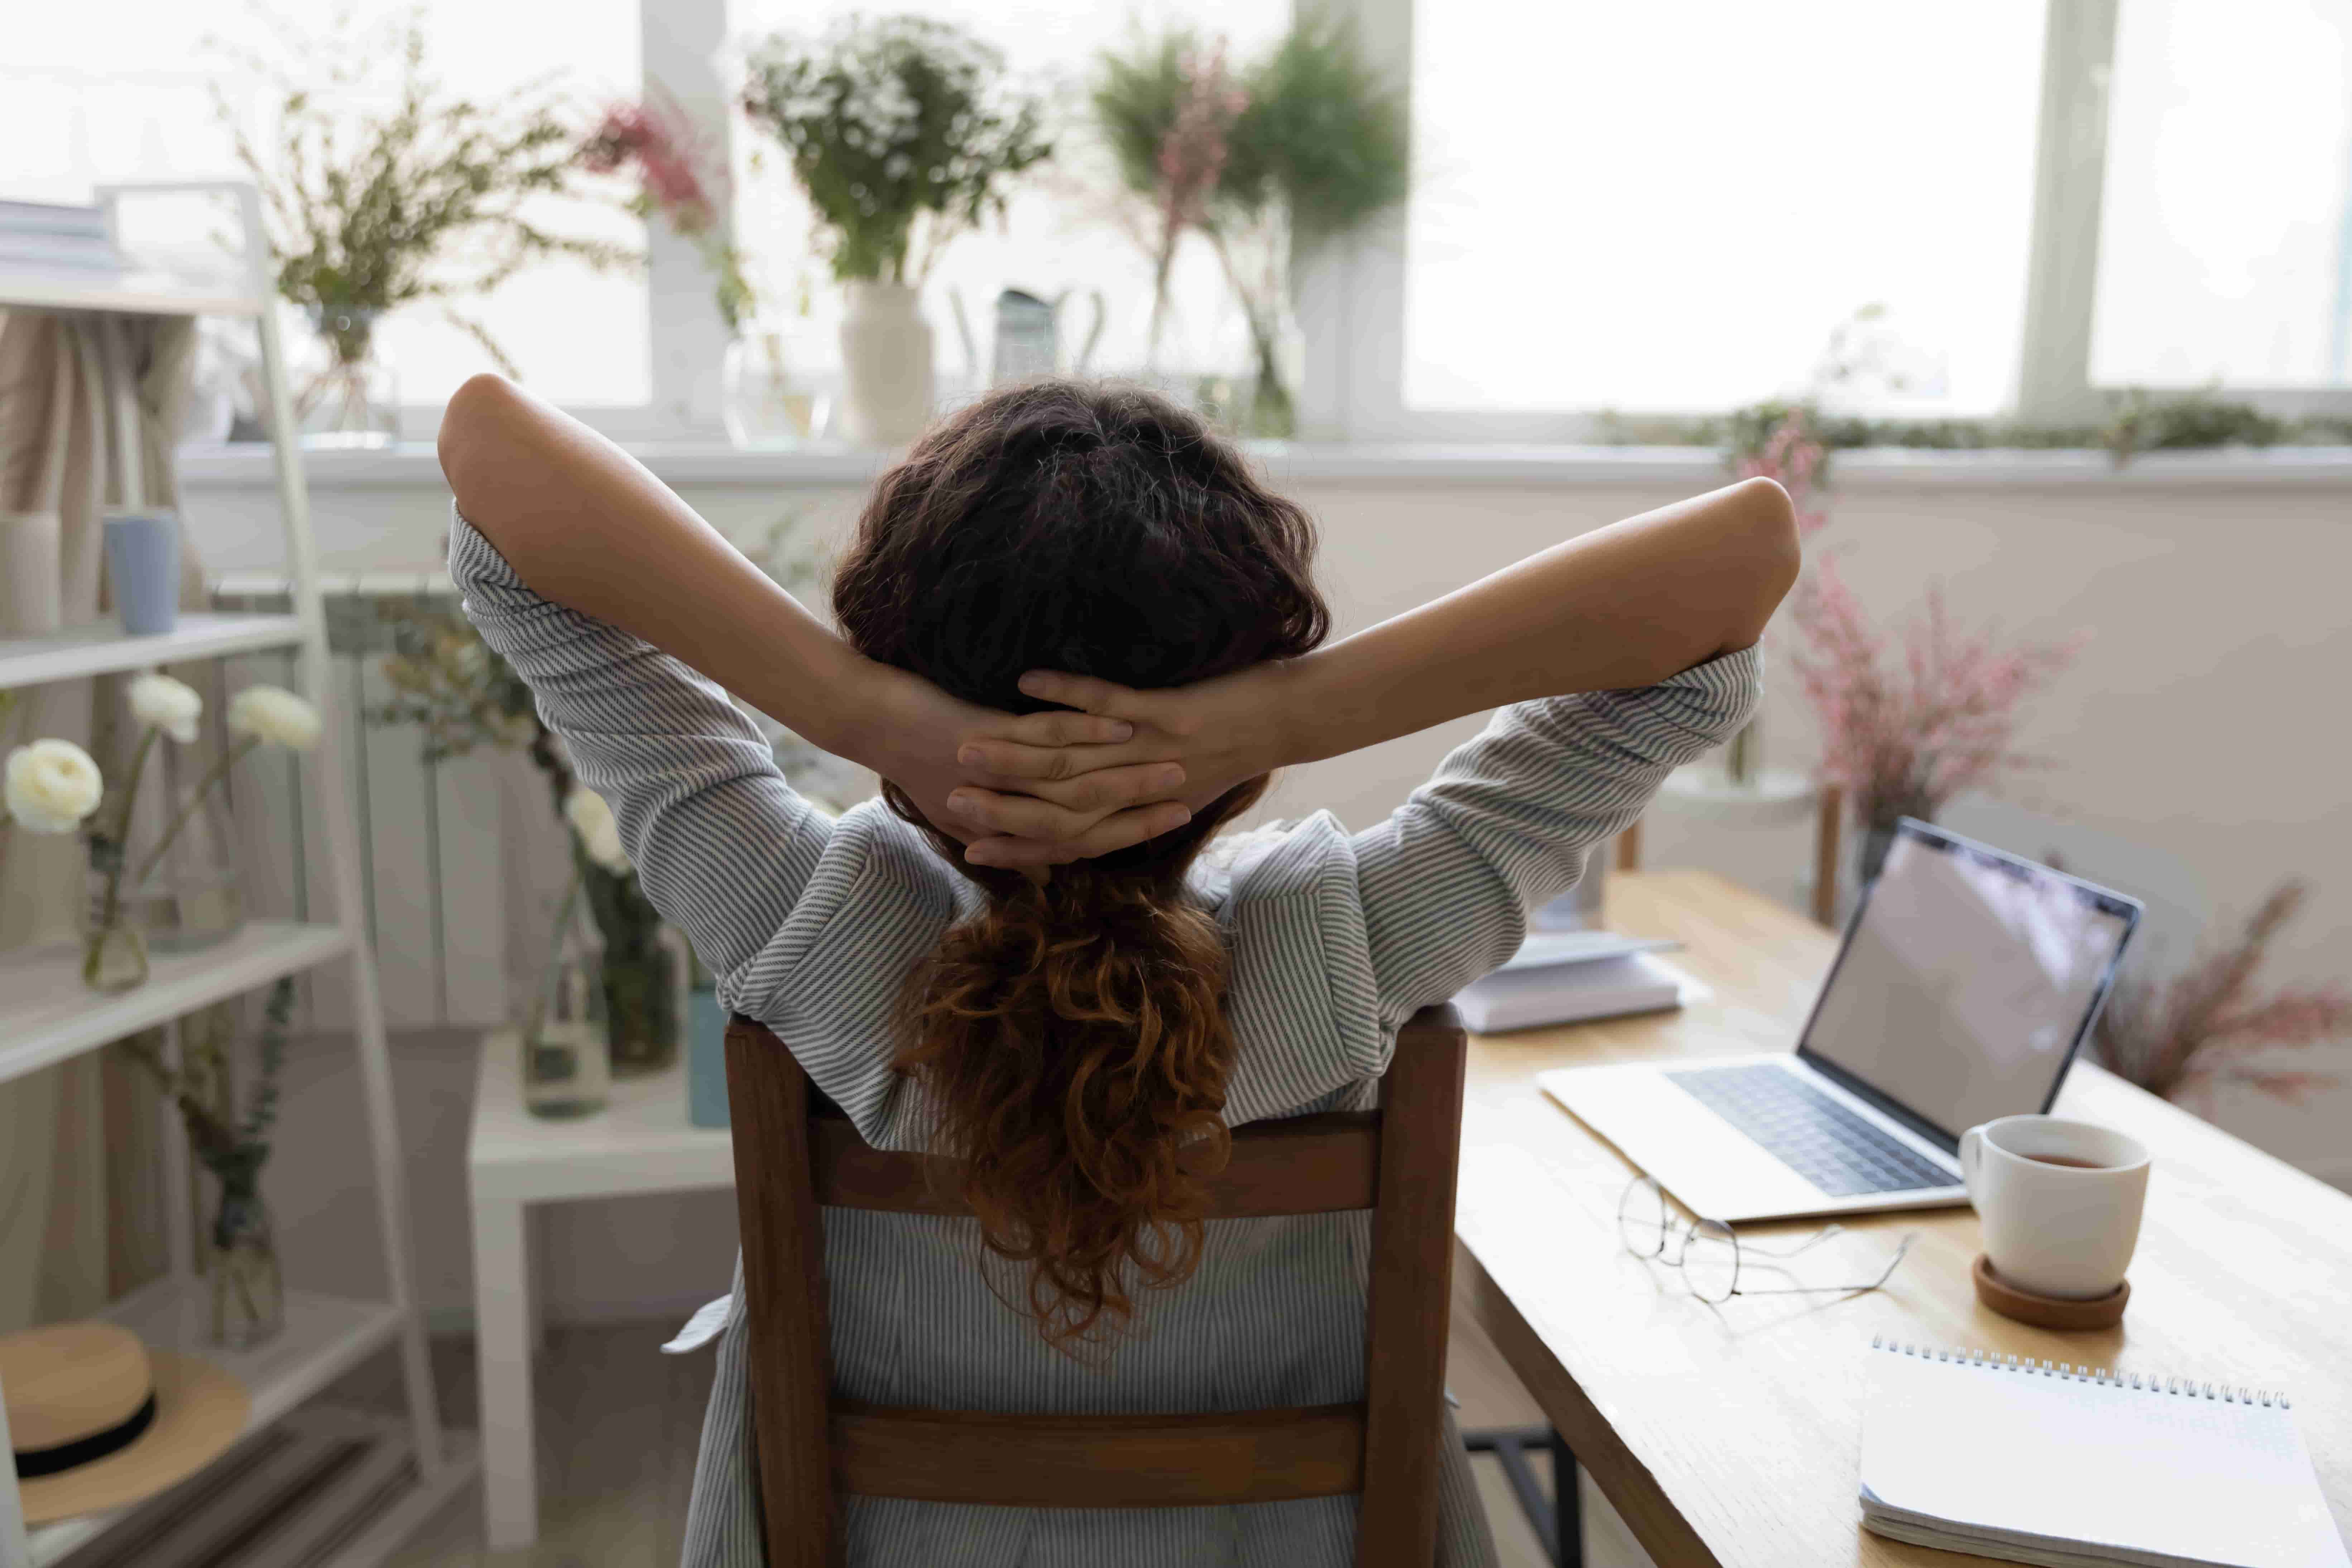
(462, 863)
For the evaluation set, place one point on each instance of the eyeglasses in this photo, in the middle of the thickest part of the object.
(1712, 1258)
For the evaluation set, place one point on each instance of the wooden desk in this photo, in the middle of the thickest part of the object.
(1730, 1435)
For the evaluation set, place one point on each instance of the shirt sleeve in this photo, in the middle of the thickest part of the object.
(722, 845)
(1506, 823)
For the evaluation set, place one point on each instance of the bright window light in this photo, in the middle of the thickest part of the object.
(1670, 207)
(2225, 252)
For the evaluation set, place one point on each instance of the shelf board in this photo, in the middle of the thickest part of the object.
(325, 1336)
(132, 293)
(101, 647)
(47, 1014)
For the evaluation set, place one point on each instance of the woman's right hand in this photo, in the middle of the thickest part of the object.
(1224, 731)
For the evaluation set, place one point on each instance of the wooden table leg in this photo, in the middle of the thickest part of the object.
(1629, 846)
(1826, 829)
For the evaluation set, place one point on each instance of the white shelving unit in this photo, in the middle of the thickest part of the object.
(46, 1015)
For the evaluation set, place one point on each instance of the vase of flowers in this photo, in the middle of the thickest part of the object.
(1905, 728)
(767, 398)
(432, 197)
(902, 132)
(641, 968)
(1264, 162)
(463, 696)
(239, 1248)
(54, 786)
(345, 396)
(567, 1057)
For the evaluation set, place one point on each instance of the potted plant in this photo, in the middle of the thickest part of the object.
(1264, 162)
(1904, 728)
(427, 200)
(902, 133)
(240, 1247)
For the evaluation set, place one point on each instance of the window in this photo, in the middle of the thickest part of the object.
(1062, 234)
(1670, 207)
(2225, 246)
(127, 84)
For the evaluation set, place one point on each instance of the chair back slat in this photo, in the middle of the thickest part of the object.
(1308, 1164)
(791, 1366)
(1099, 1461)
(794, 1152)
(1412, 1287)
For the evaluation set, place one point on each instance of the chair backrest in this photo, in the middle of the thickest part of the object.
(794, 1153)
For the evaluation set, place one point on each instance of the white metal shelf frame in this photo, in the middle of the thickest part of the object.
(38, 1026)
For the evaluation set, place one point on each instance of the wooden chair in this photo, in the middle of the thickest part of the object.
(793, 1151)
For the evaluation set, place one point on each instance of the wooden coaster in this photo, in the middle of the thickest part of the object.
(2048, 1311)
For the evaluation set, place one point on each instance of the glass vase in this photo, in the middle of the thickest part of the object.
(641, 974)
(346, 396)
(188, 894)
(566, 1063)
(766, 402)
(113, 948)
(248, 1292)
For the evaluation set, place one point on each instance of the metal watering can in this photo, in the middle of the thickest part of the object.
(1028, 335)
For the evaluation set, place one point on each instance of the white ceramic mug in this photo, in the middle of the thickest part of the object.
(2060, 1202)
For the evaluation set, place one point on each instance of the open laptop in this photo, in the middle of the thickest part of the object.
(1966, 982)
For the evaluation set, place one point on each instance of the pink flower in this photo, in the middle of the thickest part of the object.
(655, 138)
(1904, 735)
(1793, 456)
(1192, 153)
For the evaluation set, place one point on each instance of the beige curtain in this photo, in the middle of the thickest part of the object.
(80, 1210)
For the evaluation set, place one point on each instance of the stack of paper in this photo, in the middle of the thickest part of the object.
(45, 236)
(1565, 976)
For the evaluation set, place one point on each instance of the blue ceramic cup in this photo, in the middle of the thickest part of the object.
(143, 568)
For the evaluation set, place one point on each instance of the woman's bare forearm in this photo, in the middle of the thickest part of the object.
(1624, 605)
(588, 527)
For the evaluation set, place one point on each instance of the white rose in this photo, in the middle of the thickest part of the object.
(162, 703)
(275, 715)
(52, 786)
(591, 818)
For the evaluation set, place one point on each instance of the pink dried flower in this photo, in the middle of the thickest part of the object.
(1904, 739)
(2195, 1033)
(1793, 458)
(1192, 154)
(659, 141)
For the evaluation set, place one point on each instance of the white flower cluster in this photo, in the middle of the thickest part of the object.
(51, 786)
(162, 703)
(276, 716)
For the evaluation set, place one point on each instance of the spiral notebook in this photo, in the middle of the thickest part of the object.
(2071, 1465)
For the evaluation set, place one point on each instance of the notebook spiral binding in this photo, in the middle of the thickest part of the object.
(2185, 1386)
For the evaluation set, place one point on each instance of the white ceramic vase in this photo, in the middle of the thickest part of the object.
(885, 366)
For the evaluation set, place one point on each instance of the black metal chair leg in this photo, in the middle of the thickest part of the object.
(1558, 1521)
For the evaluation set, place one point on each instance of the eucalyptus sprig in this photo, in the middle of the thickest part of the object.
(427, 200)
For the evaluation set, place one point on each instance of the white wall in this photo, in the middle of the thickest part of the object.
(2199, 745)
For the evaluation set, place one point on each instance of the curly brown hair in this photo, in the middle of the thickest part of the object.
(1072, 1035)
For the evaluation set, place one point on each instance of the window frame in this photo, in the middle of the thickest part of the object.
(1350, 299)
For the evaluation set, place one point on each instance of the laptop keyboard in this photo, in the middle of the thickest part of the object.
(1808, 1131)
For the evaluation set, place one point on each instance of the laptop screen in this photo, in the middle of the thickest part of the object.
(1966, 979)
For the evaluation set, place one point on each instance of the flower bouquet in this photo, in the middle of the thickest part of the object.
(54, 786)
(902, 133)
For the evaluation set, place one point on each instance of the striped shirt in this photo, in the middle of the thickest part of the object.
(810, 925)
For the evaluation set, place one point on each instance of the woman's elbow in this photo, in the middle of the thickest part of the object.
(472, 428)
(1765, 538)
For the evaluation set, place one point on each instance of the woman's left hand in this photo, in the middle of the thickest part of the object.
(908, 730)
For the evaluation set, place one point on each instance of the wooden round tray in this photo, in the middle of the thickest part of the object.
(2048, 1311)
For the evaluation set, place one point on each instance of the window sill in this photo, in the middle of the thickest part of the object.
(415, 464)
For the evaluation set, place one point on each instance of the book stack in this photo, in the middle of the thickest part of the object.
(56, 239)
(1566, 976)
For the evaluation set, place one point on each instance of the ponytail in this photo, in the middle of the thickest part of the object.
(1074, 1040)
